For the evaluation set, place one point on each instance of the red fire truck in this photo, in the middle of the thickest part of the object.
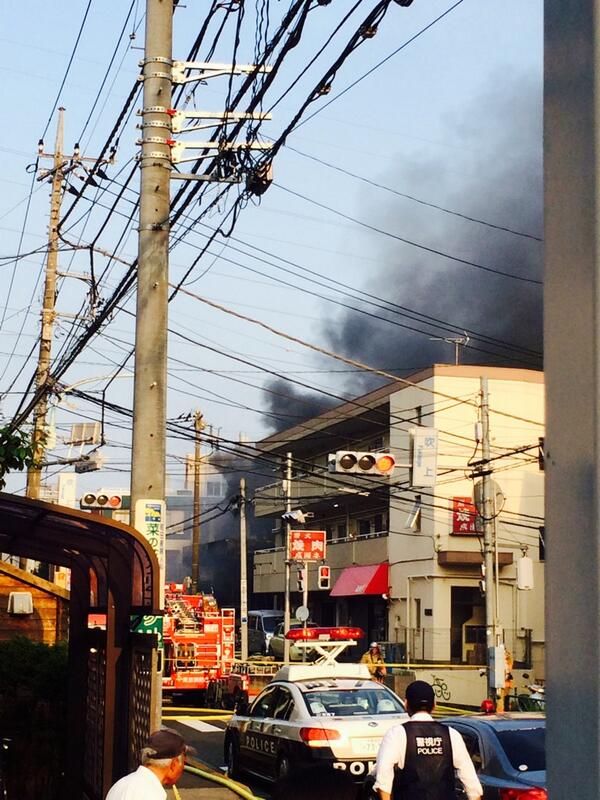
(199, 641)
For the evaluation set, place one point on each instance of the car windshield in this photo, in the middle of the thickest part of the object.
(352, 702)
(525, 748)
(270, 623)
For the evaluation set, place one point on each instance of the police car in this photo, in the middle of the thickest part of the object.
(325, 712)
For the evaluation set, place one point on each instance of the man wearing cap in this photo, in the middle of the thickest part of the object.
(163, 759)
(374, 661)
(417, 759)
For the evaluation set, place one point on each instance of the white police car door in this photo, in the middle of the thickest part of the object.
(255, 746)
(275, 729)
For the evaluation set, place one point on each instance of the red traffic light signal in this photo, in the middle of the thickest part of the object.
(324, 577)
(101, 500)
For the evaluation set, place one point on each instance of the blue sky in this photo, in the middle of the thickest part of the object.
(440, 121)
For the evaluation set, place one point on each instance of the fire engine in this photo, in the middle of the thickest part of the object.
(199, 640)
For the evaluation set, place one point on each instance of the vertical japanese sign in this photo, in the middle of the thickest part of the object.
(464, 515)
(150, 522)
(424, 447)
(307, 545)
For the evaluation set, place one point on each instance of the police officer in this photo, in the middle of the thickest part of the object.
(417, 759)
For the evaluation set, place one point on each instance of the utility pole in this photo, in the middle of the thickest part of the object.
(288, 527)
(488, 534)
(198, 428)
(34, 473)
(150, 378)
(243, 571)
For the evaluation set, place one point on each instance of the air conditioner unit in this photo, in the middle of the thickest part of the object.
(20, 603)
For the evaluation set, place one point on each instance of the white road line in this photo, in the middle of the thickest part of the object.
(203, 727)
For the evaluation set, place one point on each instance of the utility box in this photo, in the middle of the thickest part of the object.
(525, 574)
(20, 603)
(497, 657)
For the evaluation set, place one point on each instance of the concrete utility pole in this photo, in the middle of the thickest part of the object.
(488, 535)
(198, 428)
(288, 527)
(243, 571)
(150, 378)
(149, 404)
(34, 473)
(571, 359)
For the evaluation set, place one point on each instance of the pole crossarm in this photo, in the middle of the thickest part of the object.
(211, 70)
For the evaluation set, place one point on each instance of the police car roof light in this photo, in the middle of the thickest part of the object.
(324, 634)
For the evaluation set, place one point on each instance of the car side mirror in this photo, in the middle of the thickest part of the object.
(242, 705)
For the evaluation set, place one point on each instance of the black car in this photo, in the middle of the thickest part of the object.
(508, 751)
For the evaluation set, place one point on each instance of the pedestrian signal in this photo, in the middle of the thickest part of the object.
(362, 463)
(324, 577)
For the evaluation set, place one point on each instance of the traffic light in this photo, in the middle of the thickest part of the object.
(95, 501)
(324, 578)
(362, 463)
(301, 579)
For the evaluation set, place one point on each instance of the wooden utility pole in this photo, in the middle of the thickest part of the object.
(34, 473)
(243, 571)
(198, 428)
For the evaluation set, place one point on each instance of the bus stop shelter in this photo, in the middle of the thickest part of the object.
(115, 573)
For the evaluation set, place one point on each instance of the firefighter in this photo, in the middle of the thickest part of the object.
(374, 661)
(417, 759)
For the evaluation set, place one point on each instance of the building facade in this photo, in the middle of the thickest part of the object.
(407, 562)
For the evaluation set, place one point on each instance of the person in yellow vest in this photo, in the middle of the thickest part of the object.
(374, 661)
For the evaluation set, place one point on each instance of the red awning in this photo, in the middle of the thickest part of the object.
(362, 580)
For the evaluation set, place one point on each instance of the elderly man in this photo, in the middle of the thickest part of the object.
(163, 759)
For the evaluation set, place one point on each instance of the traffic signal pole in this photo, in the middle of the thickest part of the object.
(288, 528)
(243, 572)
(150, 380)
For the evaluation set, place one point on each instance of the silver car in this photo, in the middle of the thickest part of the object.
(277, 644)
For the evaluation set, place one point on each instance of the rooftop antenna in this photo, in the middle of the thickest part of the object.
(458, 342)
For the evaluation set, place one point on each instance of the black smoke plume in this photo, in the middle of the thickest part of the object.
(492, 170)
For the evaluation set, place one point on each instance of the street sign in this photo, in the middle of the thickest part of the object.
(424, 445)
(464, 516)
(302, 613)
(150, 522)
(307, 545)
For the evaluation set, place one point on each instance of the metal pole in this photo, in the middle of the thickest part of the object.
(305, 597)
(288, 527)
(488, 533)
(571, 361)
(34, 473)
(150, 384)
(243, 571)
(198, 428)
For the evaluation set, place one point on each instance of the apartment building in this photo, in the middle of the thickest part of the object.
(407, 562)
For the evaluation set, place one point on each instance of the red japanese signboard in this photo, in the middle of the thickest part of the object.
(307, 545)
(464, 515)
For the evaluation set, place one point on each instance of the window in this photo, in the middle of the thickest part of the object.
(364, 527)
(542, 543)
(473, 748)
(418, 613)
(213, 489)
(378, 523)
(264, 704)
(525, 748)
(328, 532)
(284, 704)
(342, 530)
(352, 702)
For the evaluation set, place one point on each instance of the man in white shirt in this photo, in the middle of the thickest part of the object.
(417, 759)
(163, 759)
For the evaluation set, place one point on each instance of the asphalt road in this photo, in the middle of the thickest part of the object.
(207, 736)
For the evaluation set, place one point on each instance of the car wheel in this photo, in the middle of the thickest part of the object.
(283, 767)
(233, 760)
(270, 652)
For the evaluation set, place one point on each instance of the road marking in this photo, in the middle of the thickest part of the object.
(203, 727)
